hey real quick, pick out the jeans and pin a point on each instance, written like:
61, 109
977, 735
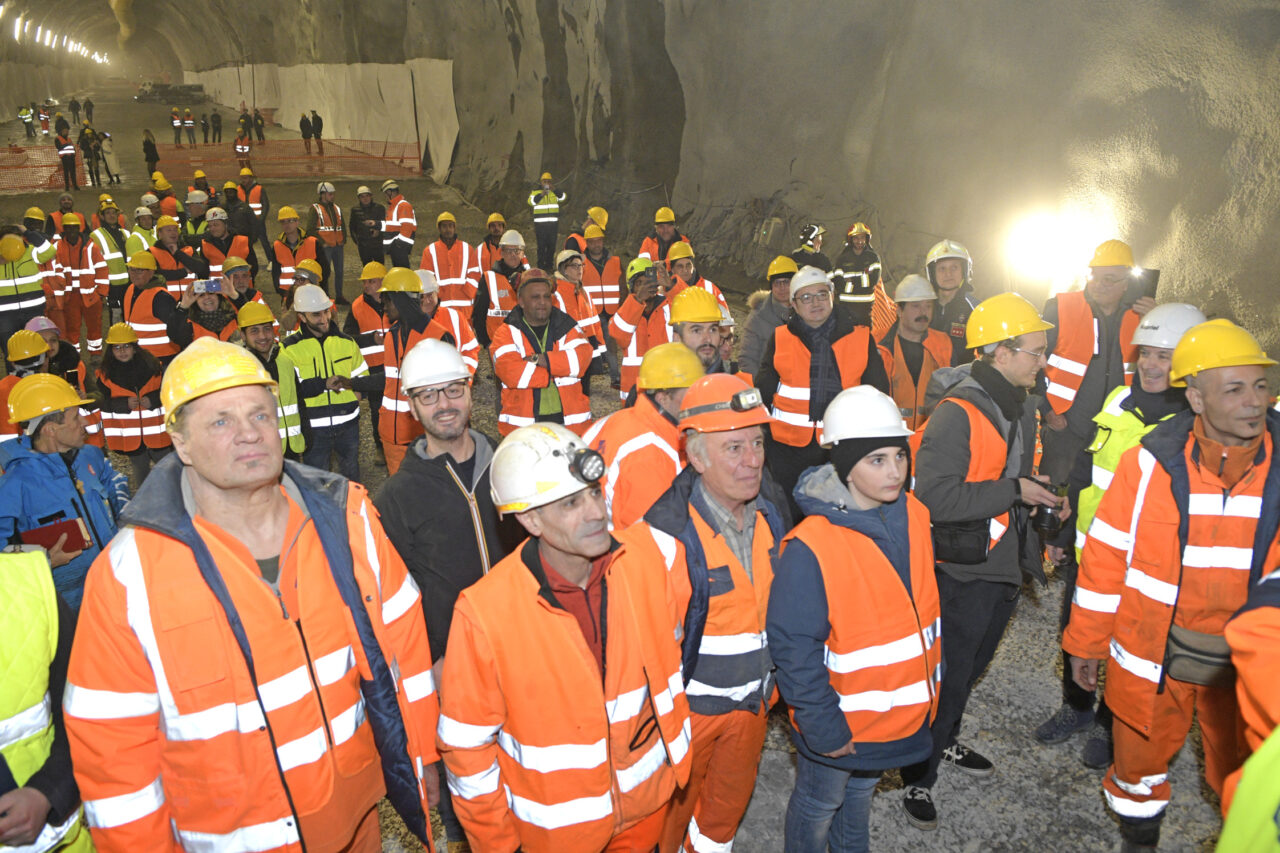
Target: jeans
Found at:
546, 233
829, 806
344, 440
334, 254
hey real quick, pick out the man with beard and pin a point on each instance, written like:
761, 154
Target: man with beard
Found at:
487, 248
497, 293
915, 349
695, 322
454, 262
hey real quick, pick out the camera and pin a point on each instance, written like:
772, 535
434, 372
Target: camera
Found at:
1048, 519
207, 285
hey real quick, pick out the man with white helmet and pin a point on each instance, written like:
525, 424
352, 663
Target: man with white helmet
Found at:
324, 219
496, 295
854, 620
218, 244
143, 235
1128, 414
950, 269
323, 362
916, 349
192, 223
564, 725
455, 544
455, 321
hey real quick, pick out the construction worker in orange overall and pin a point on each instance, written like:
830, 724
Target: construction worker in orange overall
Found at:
564, 726
1186, 527
242, 639
719, 538
456, 264
641, 444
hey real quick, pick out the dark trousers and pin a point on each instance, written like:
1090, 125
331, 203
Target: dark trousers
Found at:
375, 403
371, 252
546, 233
334, 253
974, 616
205, 131
399, 252
12, 321
260, 232
177, 136
787, 462
31, 129
69, 172
343, 440
217, 133
453, 830
1073, 694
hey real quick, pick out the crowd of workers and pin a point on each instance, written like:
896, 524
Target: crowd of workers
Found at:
569, 636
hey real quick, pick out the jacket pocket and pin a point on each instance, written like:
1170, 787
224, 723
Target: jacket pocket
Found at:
721, 580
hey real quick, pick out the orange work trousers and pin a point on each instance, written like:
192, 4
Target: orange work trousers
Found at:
726, 757
394, 454
641, 836
75, 307
1137, 784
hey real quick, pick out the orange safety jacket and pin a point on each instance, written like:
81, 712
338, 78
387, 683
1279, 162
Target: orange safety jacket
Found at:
241, 146
288, 258
489, 255
139, 312
908, 394
198, 331
370, 320
1253, 635
636, 334
791, 361
66, 148
545, 752
502, 298
253, 197
1077, 345
883, 652
457, 269
643, 453
215, 257
400, 224
396, 422
464, 336
329, 228
650, 249
130, 430
177, 277
576, 302
568, 355
207, 711
988, 456
1169, 545
603, 285
75, 265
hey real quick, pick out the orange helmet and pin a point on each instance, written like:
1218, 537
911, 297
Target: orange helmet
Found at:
720, 402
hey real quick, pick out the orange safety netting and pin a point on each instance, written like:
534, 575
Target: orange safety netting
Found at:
34, 168
288, 158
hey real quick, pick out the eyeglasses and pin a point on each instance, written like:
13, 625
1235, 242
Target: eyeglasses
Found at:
1037, 354
820, 297
431, 396
574, 264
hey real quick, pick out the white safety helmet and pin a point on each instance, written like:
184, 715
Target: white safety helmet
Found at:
1164, 325
150, 199
726, 319
215, 214
197, 197
432, 362
325, 187
430, 284
539, 464
142, 211
511, 237
861, 412
362, 190
309, 298
808, 276
914, 288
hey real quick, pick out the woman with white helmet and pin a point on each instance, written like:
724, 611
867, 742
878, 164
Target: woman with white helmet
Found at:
853, 624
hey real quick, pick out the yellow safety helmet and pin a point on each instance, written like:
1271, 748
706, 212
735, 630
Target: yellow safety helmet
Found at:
25, 344
1112, 253
106, 204
254, 313
33, 213
312, 266
12, 247
373, 269
446, 216
157, 175
781, 265
71, 219
246, 172
694, 305
234, 262
664, 214
198, 173
638, 266
1003, 316
42, 394
593, 232
165, 221
1215, 343
400, 280
231, 185
286, 212
858, 228
599, 216
670, 365
163, 184
206, 366
546, 176
495, 217
681, 249
143, 260
121, 333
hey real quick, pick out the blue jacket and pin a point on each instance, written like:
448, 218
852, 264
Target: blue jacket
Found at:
799, 625
39, 489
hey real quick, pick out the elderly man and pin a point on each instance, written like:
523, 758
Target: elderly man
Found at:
586, 760
143, 235
1186, 528
769, 309
915, 350
239, 577
497, 293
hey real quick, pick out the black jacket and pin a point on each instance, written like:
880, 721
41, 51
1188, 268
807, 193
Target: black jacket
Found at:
369, 238
454, 545
952, 318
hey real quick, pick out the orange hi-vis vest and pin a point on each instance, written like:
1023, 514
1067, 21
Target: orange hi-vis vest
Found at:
883, 652
126, 432
1169, 545
241, 145
288, 258
988, 456
1077, 345
545, 752
651, 249
253, 197
907, 394
176, 119
1252, 634
791, 360
225, 334
489, 255
502, 298
400, 224
329, 227
457, 270
370, 320
177, 277
642, 454
464, 336
139, 312
576, 302
396, 422
603, 285
567, 359
75, 265
207, 711
238, 248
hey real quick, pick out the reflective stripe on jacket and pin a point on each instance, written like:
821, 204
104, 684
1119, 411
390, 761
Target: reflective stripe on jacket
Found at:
568, 355
287, 258
400, 225
642, 454
791, 399
139, 311
396, 421
546, 205
457, 269
603, 285
335, 355
1077, 345
329, 226
129, 429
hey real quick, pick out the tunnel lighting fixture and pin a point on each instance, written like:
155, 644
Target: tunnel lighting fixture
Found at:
39, 32
17, 29
2, 5
1054, 247
48, 38
26, 28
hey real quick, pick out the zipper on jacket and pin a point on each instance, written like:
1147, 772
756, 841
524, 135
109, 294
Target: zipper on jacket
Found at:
315, 685
475, 519
84, 507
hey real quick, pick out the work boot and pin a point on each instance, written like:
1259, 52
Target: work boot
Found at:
918, 804
966, 760
1097, 749
1063, 724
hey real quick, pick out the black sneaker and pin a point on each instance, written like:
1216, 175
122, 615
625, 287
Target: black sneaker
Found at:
965, 759
1096, 754
918, 804
1063, 724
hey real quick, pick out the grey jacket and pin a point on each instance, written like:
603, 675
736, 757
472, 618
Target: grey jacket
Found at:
764, 319
942, 465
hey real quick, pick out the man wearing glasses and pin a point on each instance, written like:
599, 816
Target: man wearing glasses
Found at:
451, 464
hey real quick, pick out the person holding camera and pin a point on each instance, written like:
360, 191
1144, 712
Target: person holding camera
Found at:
973, 474
204, 311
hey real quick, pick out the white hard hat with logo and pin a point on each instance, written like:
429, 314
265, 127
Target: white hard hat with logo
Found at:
539, 464
1164, 325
